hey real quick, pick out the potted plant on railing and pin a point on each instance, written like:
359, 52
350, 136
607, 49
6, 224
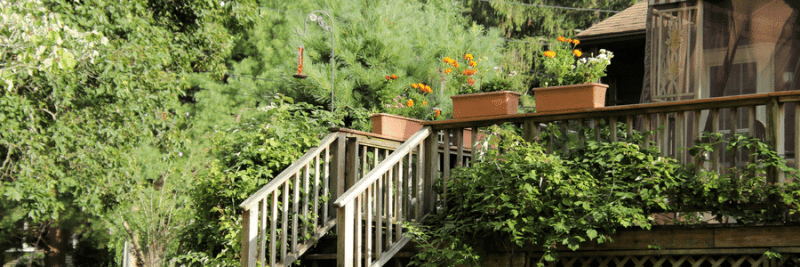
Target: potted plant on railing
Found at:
569, 79
476, 97
404, 114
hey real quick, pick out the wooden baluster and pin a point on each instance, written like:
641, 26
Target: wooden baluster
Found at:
398, 199
612, 124
364, 167
797, 135
697, 134
379, 217
734, 153
459, 136
715, 129
306, 190
646, 129
680, 135
370, 203
551, 142
409, 186
344, 230
358, 247
581, 132
285, 220
775, 136
351, 163
326, 184
528, 130
751, 125
249, 236
629, 126
316, 191
536, 131
389, 204
263, 232
446, 164
295, 210
473, 147
565, 132
596, 129
419, 180
665, 148
273, 232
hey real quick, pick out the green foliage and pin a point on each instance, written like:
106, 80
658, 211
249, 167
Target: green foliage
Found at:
247, 155
522, 195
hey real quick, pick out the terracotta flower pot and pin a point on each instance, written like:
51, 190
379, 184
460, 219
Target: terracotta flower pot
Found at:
570, 97
393, 126
485, 104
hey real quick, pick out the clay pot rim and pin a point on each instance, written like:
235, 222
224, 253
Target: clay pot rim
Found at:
568, 86
486, 93
394, 116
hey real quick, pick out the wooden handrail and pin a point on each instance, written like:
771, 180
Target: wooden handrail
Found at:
626, 110
288, 172
384, 166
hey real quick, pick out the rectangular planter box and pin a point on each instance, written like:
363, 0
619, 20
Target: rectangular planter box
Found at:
393, 126
570, 97
485, 104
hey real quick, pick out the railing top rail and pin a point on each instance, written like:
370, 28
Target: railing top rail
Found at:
288, 172
627, 110
383, 167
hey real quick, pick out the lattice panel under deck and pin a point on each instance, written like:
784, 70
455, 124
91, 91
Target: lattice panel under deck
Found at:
757, 260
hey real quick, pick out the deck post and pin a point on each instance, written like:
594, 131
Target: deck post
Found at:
351, 163
431, 164
249, 235
344, 231
337, 180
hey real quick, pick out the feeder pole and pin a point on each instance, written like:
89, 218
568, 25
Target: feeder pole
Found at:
313, 17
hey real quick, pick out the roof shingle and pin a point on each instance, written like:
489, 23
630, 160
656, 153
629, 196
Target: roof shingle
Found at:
629, 20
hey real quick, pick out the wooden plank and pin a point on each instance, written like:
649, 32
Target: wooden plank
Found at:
665, 148
364, 167
596, 125
696, 135
565, 131
734, 115
370, 203
773, 125
647, 128
751, 125
629, 126
398, 199
409, 187
306, 193
551, 142
680, 135
744, 237
527, 130
317, 182
249, 235
431, 162
326, 180
581, 132
418, 181
390, 204
379, 192
344, 244
797, 135
391, 252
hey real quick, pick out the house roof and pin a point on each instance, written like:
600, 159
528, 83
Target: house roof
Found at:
630, 20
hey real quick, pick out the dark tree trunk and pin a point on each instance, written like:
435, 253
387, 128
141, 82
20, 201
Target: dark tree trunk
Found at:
57, 247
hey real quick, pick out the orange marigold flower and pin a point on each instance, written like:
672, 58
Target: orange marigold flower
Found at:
561, 38
447, 59
473, 63
448, 71
387, 77
550, 54
410, 103
468, 56
577, 53
438, 113
568, 40
394, 76
424, 103
576, 42
428, 88
414, 85
471, 81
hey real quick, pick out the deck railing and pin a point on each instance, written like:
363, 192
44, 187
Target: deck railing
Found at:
296, 208
670, 126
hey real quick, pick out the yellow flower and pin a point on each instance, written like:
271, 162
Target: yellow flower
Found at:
468, 56
550, 54
568, 40
428, 88
414, 85
473, 63
447, 59
448, 71
561, 38
577, 53
424, 103
410, 103
576, 42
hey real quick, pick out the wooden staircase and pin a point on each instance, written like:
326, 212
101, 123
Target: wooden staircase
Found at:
359, 186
